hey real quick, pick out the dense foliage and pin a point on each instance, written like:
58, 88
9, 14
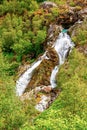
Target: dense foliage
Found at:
23, 31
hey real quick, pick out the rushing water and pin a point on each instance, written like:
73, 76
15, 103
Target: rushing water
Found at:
62, 46
24, 79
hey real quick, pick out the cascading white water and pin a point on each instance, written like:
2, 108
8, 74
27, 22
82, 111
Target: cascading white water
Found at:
62, 46
53, 77
24, 79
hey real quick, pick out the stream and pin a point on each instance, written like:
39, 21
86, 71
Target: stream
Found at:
63, 46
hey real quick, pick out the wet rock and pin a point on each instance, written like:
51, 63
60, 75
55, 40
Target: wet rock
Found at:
31, 94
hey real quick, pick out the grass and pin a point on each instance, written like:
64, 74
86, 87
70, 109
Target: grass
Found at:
69, 111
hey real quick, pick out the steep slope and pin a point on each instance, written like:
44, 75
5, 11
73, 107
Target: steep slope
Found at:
69, 111
25, 33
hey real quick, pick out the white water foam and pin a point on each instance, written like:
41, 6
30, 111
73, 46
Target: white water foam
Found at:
62, 46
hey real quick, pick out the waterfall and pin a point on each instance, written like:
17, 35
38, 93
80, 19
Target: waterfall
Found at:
62, 46
24, 79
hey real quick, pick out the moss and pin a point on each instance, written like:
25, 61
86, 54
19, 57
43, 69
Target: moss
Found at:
43, 72
79, 33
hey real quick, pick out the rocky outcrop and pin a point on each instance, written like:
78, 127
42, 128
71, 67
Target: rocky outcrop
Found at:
43, 96
43, 72
48, 4
67, 15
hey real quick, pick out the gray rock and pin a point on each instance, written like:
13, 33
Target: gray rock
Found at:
48, 4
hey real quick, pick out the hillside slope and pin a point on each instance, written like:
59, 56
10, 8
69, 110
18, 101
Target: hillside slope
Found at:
24, 34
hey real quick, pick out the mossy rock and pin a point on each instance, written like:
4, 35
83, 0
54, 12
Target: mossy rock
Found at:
42, 74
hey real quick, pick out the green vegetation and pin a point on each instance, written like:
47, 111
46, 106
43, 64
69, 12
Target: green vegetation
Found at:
69, 111
80, 34
13, 113
23, 31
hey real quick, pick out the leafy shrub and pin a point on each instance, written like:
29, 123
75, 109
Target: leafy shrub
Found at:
8, 41
14, 114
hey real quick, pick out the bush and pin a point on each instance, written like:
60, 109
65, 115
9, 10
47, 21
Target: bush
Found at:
8, 39
14, 114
